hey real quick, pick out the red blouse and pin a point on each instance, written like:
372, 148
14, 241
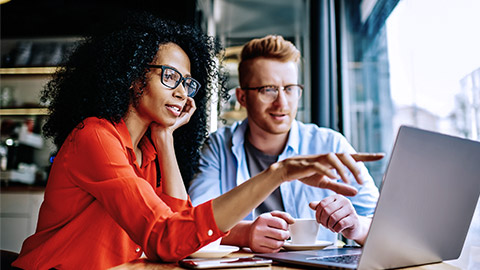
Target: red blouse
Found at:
101, 209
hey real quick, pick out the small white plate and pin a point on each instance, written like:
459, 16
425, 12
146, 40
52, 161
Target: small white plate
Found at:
222, 251
318, 245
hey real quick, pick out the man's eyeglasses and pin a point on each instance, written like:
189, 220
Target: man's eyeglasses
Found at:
269, 93
171, 78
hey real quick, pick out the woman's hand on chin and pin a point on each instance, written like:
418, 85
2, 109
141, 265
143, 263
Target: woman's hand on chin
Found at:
186, 113
182, 119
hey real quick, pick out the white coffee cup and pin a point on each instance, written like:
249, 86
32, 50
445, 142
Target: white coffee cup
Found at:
304, 231
215, 245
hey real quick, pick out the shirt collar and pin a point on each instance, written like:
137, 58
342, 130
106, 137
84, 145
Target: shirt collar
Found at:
148, 150
124, 134
293, 138
239, 132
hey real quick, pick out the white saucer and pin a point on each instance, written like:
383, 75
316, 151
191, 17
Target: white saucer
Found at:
222, 251
317, 245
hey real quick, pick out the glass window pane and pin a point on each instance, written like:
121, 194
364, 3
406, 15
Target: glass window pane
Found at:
419, 66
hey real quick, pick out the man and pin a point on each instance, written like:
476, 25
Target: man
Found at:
269, 90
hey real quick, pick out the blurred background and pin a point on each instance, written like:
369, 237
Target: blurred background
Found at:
368, 66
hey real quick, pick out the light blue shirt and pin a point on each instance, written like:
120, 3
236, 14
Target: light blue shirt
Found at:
223, 166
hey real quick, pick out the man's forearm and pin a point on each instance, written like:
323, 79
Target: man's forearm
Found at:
239, 235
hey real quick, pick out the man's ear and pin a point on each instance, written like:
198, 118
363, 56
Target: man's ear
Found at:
241, 96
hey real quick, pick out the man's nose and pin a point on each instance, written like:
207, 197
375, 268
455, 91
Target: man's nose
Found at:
281, 98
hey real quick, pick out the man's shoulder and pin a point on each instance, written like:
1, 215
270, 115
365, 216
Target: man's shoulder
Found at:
315, 130
320, 139
225, 132
222, 132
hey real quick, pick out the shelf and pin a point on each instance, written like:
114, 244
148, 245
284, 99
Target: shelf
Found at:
235, 115
24, 111
233, 51
28, 71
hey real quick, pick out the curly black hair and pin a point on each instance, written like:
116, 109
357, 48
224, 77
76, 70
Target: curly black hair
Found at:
96, 80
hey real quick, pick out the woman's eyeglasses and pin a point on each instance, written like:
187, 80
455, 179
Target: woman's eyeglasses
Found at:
171, 78
269, 93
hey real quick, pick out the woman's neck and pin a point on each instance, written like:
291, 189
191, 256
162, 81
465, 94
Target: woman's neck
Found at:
136, 128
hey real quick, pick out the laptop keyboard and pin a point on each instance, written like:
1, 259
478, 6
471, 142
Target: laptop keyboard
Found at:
345, 259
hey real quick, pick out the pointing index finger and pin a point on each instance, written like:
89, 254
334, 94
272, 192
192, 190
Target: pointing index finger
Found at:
365, 157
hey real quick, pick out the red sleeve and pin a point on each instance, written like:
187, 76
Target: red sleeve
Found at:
174, 203
167, 228
182, 234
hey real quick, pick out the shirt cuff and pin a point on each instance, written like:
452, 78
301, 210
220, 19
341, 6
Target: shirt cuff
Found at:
176, 204
207, 229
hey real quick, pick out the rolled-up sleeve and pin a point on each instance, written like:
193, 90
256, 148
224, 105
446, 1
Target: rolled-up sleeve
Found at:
166, 228
183, 233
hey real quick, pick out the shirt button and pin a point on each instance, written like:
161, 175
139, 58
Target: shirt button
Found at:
210, 232
137, 249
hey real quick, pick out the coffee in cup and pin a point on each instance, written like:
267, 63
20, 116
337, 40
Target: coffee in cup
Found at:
304, 231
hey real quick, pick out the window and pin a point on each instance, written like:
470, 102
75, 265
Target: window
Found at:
413, 62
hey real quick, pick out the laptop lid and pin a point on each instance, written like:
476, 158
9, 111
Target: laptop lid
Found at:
427, 200
428, 197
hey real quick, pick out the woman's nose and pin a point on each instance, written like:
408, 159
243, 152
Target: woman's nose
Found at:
180, 92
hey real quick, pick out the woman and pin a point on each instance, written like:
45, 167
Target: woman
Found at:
115, 189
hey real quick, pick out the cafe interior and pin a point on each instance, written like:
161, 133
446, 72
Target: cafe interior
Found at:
367, 67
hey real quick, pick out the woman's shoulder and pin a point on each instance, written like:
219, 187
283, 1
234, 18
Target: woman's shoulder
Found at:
93, 127
95, 123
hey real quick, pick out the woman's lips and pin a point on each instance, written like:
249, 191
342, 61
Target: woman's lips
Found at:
174, 109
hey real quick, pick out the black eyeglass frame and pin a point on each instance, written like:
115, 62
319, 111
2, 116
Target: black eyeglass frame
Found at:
182, 80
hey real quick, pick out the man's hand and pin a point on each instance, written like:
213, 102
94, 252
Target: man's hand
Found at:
269, 231
323, 170
337, 214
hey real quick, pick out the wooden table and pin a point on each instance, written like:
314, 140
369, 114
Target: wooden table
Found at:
147, 265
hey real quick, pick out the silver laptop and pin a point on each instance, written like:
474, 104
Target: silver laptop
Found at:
427, 200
